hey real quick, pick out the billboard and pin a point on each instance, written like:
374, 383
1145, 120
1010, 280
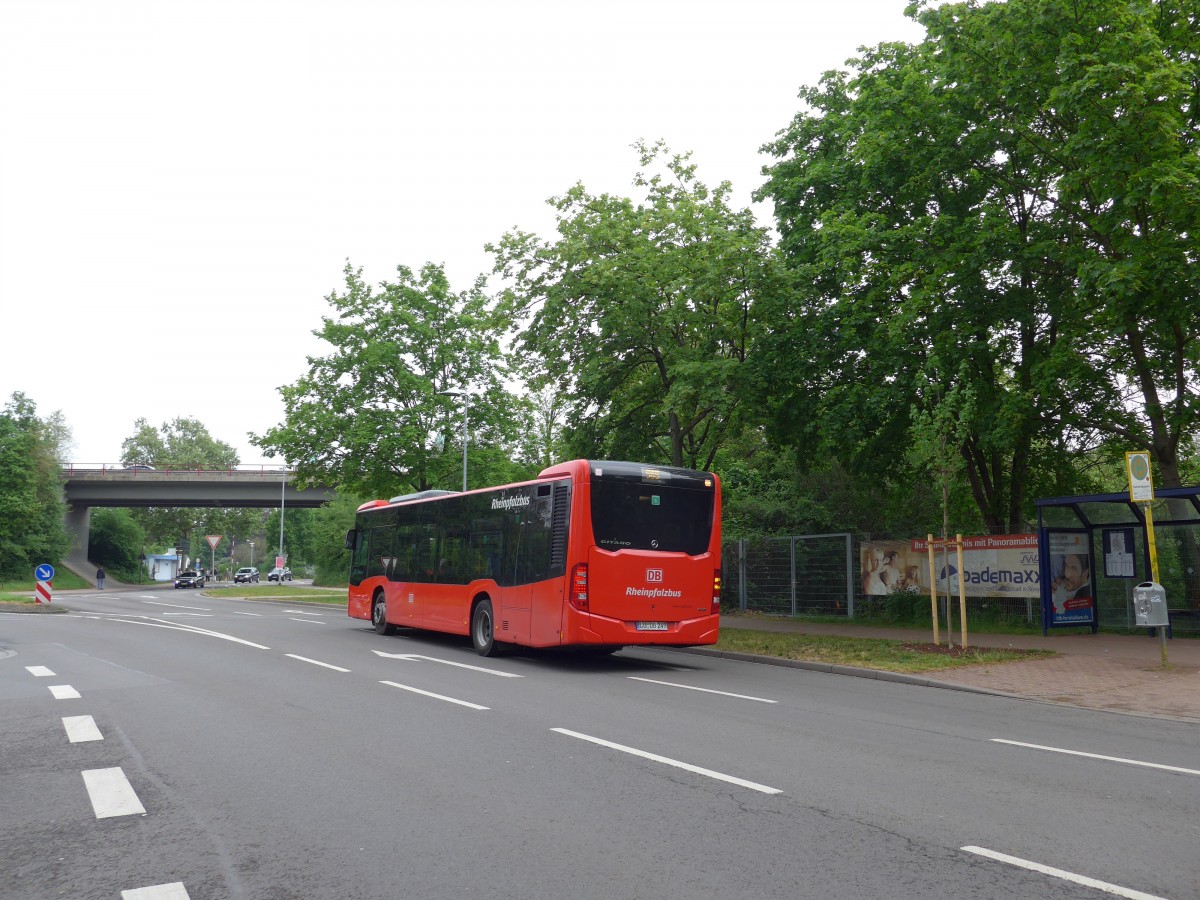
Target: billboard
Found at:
1072, 597
1003, 565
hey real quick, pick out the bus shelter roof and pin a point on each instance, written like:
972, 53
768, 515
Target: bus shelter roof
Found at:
1172, 506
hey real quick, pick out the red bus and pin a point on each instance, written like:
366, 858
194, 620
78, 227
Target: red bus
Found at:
606, 554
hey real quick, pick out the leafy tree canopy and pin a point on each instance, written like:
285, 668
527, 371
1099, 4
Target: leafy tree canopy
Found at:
641, 314
1005, 212
373, 417
31, 504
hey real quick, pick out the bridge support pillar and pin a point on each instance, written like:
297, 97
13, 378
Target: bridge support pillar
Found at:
78, 522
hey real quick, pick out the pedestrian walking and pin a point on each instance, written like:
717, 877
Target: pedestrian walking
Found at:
100, 578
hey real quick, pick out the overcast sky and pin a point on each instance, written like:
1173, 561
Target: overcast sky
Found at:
182, 183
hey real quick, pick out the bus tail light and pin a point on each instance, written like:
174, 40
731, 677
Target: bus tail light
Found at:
716, 598
579, 587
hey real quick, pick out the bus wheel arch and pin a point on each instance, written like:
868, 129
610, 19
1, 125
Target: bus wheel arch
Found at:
379, 614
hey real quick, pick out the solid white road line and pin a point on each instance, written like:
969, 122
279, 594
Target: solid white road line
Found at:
193, 629
256, 615
64, 692
303, 612
111, 793
405, 687
709, 773
38, 671
316, 662
1063, 874
306, 621
1116, 759
81, 728
177, 606
173, 891
705, 690
191, 615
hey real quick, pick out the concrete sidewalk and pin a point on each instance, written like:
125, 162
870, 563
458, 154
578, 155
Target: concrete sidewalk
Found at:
1121, 673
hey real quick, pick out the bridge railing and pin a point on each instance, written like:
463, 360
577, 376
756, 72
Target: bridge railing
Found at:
262, 470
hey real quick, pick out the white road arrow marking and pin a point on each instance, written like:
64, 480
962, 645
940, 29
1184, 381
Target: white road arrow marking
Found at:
411, 657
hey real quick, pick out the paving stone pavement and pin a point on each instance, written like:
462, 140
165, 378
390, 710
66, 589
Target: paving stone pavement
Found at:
1121, 673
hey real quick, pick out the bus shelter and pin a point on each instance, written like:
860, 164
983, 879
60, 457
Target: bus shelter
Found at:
1093, 550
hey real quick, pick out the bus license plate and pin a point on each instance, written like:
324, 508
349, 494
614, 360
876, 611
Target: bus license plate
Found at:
651, 626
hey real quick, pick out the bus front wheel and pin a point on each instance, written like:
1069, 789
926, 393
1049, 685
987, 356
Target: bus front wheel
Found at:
379, 616
483, 634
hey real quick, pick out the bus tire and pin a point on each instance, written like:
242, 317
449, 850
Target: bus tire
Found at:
379, 616
483, 629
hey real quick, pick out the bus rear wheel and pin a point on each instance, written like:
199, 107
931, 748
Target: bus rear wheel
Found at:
379, 616
483, 632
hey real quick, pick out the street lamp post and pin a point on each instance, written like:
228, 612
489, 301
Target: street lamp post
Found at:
466, 406
282, 488
251, 543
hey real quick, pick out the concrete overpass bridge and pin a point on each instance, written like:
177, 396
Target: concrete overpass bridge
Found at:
242, 486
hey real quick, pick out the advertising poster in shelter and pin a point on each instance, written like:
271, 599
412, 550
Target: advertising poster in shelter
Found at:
1072, 597
1004, 565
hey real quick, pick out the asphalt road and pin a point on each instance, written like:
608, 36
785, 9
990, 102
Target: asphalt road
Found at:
242, 749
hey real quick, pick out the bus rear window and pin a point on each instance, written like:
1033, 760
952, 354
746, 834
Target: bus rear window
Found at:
639, 516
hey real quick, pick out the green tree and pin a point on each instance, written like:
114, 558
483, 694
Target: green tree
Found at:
1104, 98
367, 415
329, 527
31, 504
117, 542
640, 314
925, 201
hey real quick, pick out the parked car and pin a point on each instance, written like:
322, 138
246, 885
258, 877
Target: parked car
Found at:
245, 574
280, 575
189, 578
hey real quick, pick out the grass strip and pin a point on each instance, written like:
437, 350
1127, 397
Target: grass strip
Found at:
279, 592
867, 653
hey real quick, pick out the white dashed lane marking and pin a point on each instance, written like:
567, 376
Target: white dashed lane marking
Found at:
38, 671
317, 662
705, 690
1107, 887
173, 891
64, 692
81, 728
111, 793
666, 760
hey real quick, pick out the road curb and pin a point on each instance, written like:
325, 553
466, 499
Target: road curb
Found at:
852, 671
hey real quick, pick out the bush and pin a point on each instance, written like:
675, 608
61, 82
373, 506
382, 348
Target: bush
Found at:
906, 608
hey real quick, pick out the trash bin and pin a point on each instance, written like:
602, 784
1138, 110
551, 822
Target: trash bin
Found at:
1150, 605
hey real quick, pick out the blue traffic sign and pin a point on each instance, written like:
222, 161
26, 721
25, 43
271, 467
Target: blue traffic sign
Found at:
44, 572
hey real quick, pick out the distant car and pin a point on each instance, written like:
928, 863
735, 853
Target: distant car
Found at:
280, 575
139, 467
189, 578
245, 574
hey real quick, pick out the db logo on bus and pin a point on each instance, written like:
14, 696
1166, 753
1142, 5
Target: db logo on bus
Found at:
654, 576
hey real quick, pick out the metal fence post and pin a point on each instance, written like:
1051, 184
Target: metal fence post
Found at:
741, 544
849, 576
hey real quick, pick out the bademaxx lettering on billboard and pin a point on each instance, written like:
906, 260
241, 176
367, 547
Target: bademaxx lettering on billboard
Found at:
1004, 565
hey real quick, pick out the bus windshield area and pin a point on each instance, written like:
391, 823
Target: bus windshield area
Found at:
628, 514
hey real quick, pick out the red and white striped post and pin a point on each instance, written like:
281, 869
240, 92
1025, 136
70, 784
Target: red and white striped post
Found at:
42, 593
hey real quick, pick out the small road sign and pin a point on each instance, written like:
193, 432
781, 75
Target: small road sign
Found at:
44, 572
213, 540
